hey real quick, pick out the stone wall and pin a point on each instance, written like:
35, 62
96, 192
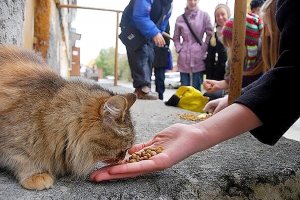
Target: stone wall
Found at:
51, 30
11, 21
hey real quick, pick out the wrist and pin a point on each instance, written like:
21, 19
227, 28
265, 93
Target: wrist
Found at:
201, 139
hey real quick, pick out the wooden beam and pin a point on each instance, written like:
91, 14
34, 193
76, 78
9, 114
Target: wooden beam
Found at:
237, 50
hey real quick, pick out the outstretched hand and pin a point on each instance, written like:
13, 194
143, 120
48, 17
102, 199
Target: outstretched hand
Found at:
178, 144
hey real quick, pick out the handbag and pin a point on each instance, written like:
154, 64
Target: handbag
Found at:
188, 98
161, 57
190, 28
132, 38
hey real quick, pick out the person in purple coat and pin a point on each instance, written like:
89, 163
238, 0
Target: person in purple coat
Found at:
261, 109
191, 54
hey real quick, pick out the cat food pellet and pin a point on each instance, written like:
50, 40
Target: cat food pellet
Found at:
145, 154
194, 117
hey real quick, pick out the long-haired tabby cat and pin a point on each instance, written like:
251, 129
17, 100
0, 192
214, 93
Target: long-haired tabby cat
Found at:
50, 126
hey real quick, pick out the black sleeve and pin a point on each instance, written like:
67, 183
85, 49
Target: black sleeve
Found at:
273, 98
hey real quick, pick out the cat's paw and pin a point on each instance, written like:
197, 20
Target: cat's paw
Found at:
38, 182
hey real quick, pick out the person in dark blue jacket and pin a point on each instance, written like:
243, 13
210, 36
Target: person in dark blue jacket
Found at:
150, 17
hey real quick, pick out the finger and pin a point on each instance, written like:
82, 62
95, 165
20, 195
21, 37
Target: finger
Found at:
105, 176
125, 170
218, 109
139, 147
161, 41
96, 172
210, 107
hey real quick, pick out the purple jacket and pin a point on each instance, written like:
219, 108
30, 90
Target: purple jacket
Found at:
191, 54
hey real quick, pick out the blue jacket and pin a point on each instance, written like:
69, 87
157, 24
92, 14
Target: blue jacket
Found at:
141, 17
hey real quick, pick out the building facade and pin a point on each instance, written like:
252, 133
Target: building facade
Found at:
42, 26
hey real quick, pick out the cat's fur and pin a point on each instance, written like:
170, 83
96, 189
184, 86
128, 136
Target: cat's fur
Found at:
50, 126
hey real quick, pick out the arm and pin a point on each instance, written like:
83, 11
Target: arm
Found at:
257, 109
165, 22
142, 20
266, 97
181, 141
176, 36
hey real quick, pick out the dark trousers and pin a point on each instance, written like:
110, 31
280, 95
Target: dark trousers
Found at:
197, 79
159, 73
140, 63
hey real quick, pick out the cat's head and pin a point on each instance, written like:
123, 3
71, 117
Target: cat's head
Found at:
108, 133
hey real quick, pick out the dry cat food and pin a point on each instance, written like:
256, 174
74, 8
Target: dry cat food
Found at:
145, 154
195, 117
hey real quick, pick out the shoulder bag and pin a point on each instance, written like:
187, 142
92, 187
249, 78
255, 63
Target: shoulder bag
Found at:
132, 38
190, 28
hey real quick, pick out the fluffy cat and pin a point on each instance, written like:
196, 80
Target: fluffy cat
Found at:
50, 126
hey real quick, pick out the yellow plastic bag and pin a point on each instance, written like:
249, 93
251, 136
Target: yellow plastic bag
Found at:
191, 99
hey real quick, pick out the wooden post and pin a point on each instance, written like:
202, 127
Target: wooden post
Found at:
116, 51
238, 50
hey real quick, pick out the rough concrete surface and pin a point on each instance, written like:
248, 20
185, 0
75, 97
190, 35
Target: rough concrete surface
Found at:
241, 168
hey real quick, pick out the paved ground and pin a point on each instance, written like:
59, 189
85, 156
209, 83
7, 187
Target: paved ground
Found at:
241, 168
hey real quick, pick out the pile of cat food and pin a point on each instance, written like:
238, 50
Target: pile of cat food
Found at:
195, 117
145, 154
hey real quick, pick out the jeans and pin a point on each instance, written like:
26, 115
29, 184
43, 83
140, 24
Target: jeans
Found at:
159, 73
140, 63
197, 79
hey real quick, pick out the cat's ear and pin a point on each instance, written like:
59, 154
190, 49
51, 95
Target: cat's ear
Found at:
131, 98
117, 105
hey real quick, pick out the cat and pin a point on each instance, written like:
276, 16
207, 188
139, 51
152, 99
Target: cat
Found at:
51, 126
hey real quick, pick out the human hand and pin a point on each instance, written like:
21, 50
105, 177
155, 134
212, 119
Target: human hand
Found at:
216, 105
159, 40
179, 142
213, 86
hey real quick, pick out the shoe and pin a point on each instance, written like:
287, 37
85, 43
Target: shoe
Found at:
145, 95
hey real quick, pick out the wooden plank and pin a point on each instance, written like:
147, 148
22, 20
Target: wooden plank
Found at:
238, 50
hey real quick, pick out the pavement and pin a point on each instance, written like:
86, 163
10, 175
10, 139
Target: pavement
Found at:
240, 168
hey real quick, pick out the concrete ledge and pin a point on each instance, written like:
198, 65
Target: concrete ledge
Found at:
241, 168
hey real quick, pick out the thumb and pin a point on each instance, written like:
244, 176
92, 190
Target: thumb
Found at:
139, 147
